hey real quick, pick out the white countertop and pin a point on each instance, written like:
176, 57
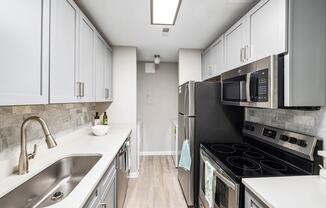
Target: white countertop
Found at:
289, 192
81, 142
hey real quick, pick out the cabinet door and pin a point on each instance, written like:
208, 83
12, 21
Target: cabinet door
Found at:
109, 196
99, 69
234, 44
63, 70
204, 65
24, 52
217, 57
267, 29
86, 60
108, 75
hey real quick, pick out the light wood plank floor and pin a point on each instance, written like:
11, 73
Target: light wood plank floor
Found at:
157, 185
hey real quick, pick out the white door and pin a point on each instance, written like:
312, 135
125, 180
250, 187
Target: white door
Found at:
86, 60
267, 29
99, 69
108, 96
63, 70
23, 72
234, 45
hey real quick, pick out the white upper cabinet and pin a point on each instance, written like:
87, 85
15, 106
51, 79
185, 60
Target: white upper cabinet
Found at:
267, 29
217, 56
213, 59
108, 73
99, 69
86, 78
235, 39
24, 52
63, 56
260, 33
205, 65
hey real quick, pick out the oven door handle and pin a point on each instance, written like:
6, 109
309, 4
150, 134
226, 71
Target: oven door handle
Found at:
227, 182
248, 96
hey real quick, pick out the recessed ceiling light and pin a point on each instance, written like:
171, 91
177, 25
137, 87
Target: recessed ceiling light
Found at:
164, 12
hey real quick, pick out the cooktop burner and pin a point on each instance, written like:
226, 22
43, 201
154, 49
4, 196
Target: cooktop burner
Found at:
252, 154
221, 148
273, 165
244, 160
241, 146
243, 163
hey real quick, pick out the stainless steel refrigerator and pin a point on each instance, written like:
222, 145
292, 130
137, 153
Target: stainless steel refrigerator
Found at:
203, 118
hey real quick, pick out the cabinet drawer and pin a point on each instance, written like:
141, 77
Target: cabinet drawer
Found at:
107, 178
94, 199
252, 201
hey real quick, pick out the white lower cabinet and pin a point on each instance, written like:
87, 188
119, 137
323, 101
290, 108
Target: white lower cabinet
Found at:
252, 201
104, 195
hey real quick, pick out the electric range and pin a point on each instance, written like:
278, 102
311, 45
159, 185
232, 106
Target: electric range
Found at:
265, 152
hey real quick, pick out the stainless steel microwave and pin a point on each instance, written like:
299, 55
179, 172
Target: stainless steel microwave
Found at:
258, 84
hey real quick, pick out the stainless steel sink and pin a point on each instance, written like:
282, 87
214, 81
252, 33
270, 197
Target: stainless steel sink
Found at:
51, 185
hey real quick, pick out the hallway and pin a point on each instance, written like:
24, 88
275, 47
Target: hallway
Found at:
157, 185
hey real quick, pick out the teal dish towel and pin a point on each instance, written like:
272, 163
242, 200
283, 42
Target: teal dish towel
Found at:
185, 158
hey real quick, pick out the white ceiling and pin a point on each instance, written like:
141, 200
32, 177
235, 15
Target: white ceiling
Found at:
127, 23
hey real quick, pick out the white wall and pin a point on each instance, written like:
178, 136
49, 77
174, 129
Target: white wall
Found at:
157, 104
189, 65
123, 110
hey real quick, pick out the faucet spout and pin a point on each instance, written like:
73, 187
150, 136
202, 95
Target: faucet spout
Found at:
50, 141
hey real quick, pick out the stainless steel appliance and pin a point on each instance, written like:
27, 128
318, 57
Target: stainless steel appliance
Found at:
203, 118
123, 169
259, 84
265, 152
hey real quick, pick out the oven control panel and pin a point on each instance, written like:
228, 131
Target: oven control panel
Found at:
269, 133
293, 142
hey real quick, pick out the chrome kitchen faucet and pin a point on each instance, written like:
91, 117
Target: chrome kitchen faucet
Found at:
24, 157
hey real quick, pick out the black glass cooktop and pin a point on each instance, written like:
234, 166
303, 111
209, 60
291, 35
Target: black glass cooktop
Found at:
243, 161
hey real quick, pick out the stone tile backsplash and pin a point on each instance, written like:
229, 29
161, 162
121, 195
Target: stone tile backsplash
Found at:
61, 118
303, 121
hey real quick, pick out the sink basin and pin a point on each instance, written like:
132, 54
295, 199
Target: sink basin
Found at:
51, 185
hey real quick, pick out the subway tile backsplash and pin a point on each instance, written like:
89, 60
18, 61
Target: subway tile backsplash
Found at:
303, 121
61, 118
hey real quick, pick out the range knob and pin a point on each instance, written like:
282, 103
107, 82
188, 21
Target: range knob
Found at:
293, 140
284, 138
302, 143
249, 127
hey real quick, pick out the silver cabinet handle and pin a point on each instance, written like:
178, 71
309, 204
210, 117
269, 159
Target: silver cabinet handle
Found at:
102, 205
246, 53
82, 93
106, 93
78, 89
241, 54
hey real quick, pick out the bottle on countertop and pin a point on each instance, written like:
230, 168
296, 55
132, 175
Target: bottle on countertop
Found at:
97, 120
105, 119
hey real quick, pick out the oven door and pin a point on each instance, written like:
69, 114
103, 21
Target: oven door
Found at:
226, 193
206, 192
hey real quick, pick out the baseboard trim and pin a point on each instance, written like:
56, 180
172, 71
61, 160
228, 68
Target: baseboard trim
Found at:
156, 153
133, 175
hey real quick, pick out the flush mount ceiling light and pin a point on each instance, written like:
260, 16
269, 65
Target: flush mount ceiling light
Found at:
164, 12
157, 59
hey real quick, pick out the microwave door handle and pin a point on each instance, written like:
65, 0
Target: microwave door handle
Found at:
248, 96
